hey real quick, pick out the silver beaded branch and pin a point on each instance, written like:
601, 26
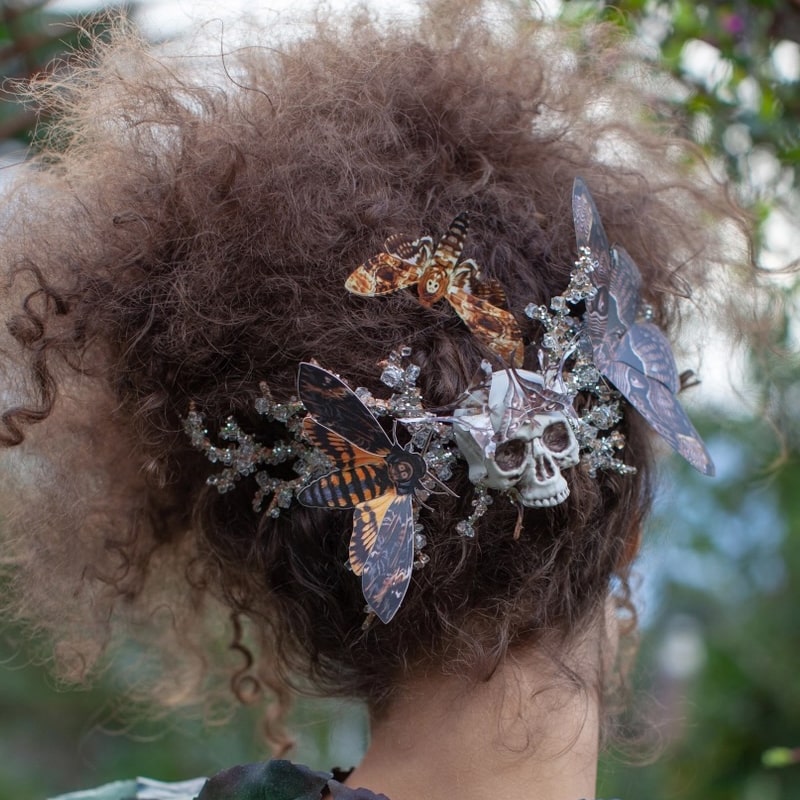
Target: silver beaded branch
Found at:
245, 455
566, 341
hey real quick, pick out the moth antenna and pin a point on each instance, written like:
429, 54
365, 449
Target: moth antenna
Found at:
368, 620
518, 524
438, 482
688, 379
427, 442
422, 502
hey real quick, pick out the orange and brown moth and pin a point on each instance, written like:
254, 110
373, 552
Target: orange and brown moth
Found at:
439, 275
373, 475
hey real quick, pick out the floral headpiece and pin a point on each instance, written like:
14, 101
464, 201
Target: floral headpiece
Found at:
518, 430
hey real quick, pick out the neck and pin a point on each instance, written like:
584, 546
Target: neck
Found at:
525, 734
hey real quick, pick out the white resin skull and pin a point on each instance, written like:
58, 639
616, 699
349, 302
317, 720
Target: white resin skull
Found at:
511, 446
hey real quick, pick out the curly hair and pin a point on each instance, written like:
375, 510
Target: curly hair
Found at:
186, 235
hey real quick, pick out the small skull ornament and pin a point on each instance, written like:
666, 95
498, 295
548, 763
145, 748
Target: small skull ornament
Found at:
511, 444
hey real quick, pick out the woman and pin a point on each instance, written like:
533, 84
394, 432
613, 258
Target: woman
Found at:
349, 347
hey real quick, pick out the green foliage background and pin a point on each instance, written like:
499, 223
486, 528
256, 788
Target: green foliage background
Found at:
721, 648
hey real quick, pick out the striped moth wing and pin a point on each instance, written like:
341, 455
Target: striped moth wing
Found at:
374, 476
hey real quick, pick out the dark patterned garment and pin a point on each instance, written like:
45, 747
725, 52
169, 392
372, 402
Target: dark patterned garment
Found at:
279, 780
268, 780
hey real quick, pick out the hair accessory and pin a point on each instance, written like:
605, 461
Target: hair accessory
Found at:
518, 430
374, 475
246, 455
514, 440
345, 460
632, 352
439, 275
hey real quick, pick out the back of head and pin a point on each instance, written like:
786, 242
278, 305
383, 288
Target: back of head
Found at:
188, 235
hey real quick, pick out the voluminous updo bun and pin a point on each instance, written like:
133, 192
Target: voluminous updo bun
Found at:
188, 234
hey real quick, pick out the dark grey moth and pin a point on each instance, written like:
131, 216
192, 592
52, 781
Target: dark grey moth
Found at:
632, 353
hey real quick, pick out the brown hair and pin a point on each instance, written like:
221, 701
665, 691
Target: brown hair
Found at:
181, 240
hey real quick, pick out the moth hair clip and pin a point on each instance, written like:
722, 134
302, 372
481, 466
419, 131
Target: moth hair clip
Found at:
374, 475
439, 274
628, 349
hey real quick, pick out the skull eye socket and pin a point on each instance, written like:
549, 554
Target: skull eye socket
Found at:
510, 455
556, 437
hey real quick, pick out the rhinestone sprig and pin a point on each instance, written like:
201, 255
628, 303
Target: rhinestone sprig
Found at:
245, 455
567, 365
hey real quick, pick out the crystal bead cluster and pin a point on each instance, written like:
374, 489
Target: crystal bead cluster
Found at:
567, 366
245, 455
481, 500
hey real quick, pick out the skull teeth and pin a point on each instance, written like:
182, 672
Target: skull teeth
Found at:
549, 502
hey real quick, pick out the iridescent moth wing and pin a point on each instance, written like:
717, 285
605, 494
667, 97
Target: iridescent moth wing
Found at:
644, 371
639, 344
634, 355
589, 230
591, 236
374, 476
